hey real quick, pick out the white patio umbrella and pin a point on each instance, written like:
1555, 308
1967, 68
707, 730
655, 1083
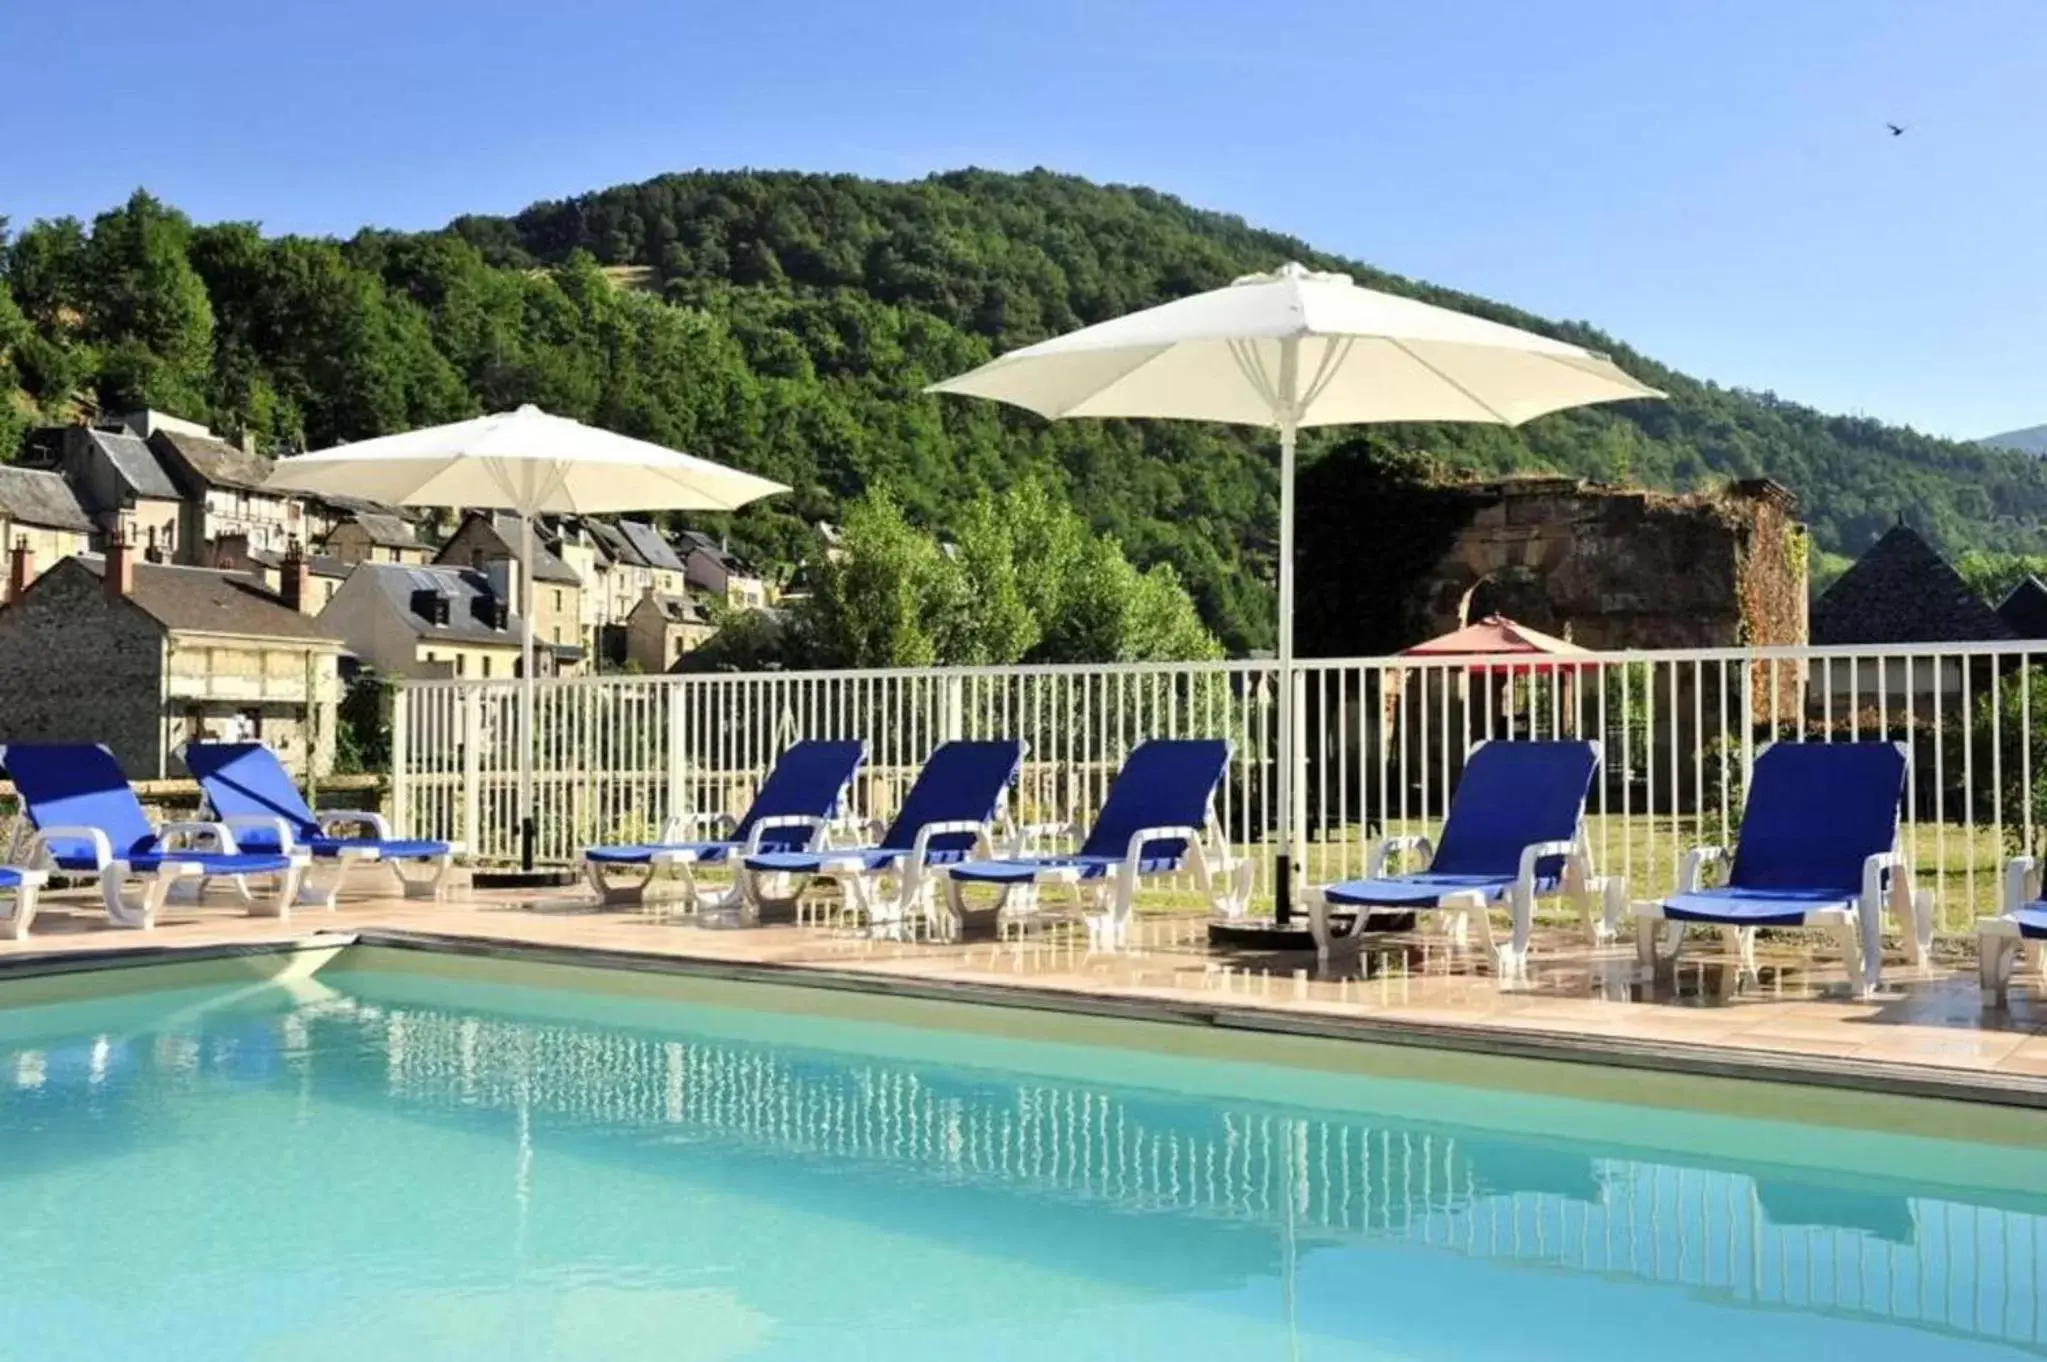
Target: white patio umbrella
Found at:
531, 464
1291, 349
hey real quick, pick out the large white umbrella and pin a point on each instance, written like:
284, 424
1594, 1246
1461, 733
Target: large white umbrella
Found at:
531, 464
1291, 349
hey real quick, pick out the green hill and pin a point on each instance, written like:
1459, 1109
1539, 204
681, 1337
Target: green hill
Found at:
785, 323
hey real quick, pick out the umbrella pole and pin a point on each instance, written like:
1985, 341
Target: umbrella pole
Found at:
528, 830
1289, 792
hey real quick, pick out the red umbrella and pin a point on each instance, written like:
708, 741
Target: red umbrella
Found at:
1498, 636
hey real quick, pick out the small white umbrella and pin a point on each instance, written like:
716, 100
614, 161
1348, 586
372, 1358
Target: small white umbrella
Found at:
1290, 349
531, 464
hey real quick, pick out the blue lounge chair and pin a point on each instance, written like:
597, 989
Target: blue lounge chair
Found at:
248, 789
796, 803
948, 815
87, 821
20, 887
1818, 847
2020, 930
1515, 831
1158, 819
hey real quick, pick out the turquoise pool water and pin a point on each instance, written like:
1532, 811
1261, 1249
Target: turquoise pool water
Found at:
376, 1165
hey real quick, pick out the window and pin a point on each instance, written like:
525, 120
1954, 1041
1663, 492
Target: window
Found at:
461, 664
557, 609
486, 667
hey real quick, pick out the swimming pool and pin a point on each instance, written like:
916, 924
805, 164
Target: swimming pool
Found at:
396, 1157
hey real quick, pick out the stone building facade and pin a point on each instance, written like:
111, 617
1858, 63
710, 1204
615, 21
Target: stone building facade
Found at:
144, 656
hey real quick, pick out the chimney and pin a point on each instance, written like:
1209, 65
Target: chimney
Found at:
120, 576
295, 582
21, 568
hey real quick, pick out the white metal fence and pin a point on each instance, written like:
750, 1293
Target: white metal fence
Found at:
1384, 740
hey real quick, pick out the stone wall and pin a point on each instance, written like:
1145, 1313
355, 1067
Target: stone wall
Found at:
1619, 568
77, 667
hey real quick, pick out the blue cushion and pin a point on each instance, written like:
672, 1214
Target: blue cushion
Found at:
1164, 783
78, 785
1511, 796
1023, 869
10, 878
806, 782
1816, 812
1754, 907
960, 782
1425, 890
212, 863
394, 849
811, 862
245, 779
2033, 922
643, 853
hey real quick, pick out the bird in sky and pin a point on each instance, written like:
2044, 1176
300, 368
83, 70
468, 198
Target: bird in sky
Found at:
1897, 129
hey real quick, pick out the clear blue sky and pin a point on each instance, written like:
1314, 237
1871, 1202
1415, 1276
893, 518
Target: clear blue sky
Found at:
1710, 180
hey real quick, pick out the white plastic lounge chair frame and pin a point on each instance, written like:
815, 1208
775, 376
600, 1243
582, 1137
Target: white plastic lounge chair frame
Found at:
1105, 903
23, 890
1459, 912
2000, 946
681, 861
1857, 928
134, 898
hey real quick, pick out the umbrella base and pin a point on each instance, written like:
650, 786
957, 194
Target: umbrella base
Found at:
1263, 935
525, 879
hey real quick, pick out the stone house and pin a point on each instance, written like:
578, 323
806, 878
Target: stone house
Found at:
40, 514
145, 656
223, 488
709, 567
665, 570
661, 629
427, 622
376, 537
623, 576
490, 544
123, 486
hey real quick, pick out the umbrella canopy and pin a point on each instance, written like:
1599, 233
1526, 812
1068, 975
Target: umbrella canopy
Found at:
1359, 356
533, 464
1498, 636
1290, 349
524, 461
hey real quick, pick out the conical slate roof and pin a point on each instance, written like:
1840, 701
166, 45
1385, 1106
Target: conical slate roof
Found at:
1901, 591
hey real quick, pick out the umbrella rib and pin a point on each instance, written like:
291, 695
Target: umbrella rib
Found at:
1333, 357
1245, 356
1473, 397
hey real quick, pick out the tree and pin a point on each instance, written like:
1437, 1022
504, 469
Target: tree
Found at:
148, 307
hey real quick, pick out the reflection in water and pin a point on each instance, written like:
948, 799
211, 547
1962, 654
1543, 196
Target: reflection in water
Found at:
1748, 1236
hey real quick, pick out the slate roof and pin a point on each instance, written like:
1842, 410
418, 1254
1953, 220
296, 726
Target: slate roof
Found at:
681, 610
388, 531
202, 600
33, 496
468, 593
136, 463
652, 546
214, 463
505, 530
694, 541
322, 564
1901, 591
613, 544
2024, 609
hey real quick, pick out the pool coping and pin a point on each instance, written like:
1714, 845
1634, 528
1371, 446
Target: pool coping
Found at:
1885, 1077
1671, 1057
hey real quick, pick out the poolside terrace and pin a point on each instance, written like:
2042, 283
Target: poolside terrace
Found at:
1925, 1032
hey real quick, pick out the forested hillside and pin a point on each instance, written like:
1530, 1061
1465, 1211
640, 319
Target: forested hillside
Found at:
785, 323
